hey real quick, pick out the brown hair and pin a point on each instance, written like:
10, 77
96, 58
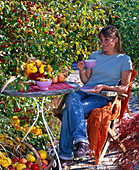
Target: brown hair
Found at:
112, 31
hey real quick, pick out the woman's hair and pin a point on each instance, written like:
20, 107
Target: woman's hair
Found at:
112, 31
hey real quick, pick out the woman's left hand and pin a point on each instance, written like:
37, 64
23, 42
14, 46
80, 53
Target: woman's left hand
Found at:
97, 88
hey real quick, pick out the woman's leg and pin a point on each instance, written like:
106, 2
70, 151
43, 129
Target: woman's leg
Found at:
87, 104
78, 104
70, 119
92, 102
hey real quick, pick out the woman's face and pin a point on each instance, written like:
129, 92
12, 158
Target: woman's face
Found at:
108, 44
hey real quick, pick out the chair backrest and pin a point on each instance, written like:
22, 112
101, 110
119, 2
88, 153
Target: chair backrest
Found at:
100, 118
124, 103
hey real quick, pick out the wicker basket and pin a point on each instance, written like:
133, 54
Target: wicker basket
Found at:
49, 158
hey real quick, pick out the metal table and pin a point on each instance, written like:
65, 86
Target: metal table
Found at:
43, 94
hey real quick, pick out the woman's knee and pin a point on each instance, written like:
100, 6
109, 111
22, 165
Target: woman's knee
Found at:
77, 95
71, 96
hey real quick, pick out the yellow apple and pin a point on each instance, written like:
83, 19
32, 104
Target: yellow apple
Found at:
20, 166
43, 154
30, 157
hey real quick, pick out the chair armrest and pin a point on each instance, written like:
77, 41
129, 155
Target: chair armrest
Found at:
113, 94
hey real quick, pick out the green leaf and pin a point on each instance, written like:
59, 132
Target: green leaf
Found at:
10, 87
26, 88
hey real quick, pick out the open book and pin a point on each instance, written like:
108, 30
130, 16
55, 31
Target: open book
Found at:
86, 88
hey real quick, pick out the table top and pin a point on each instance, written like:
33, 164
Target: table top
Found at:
15, 93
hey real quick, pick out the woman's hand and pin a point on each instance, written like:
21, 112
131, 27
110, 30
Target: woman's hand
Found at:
81, 65
122, 88
84, 75
97, 88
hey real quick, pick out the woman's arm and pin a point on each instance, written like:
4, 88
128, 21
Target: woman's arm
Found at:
122, 88
84, 76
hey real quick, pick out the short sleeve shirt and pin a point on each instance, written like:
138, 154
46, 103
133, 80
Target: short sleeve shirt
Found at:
108, 68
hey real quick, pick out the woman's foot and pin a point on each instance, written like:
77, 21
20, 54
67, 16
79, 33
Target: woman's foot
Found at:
81, 149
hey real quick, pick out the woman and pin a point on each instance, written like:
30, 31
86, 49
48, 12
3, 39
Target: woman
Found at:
111, 67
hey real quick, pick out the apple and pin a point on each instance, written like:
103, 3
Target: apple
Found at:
54, 80
26, 169
15, 159
45, 161
50, 32
44, 165
3, 46
61, 78
29, 164
35, 166
2, 60
22, 118
11, 167
20, 166
30, 157
43, 154
23, 160
79, 21
15, 164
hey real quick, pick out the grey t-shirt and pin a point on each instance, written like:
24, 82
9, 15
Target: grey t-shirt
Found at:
108, 68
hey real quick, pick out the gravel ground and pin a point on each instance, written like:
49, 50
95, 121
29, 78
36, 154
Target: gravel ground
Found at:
108, 160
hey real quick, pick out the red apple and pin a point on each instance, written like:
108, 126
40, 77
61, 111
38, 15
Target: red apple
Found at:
79, 21
2, 60
35, 166
50, 32
44, 165
26, 169
29, 164
61, 78
11, 167
54, 80
23, 160
15, 159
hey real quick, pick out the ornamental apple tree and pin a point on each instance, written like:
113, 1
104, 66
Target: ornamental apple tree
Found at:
56, 32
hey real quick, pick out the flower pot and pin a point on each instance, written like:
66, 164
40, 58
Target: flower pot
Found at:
34, 76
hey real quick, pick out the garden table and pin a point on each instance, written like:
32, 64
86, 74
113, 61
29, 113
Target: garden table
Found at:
34, 92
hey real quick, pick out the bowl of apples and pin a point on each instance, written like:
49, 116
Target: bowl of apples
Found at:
43, 84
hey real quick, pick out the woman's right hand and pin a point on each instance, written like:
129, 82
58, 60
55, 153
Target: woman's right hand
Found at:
81, 65
84, 75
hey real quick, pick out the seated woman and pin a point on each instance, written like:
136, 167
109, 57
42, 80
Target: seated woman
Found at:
111, 67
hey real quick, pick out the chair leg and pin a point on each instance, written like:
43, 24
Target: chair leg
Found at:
114, 137
58, 111
112, 125
62, 102
104, 149
111, 135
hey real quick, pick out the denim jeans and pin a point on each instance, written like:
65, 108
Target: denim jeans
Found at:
73, 129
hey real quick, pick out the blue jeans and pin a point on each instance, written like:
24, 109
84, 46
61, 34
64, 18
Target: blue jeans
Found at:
73, 129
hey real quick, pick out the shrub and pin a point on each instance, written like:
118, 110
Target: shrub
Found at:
128, 134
